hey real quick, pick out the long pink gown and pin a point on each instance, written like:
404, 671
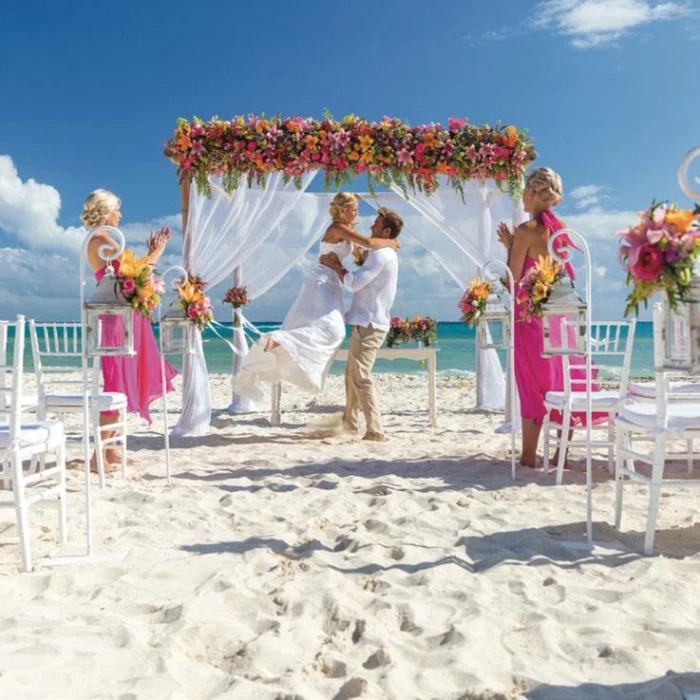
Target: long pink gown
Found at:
138, 376
536, 375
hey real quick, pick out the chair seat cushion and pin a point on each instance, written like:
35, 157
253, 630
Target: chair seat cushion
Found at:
36, 433
601, 400
648, 391
681, 416
106, 400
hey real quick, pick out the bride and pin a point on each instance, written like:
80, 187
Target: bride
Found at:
302, 350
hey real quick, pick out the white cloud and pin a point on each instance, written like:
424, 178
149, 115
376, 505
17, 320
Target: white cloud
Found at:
29, 212
588, 196
600, 23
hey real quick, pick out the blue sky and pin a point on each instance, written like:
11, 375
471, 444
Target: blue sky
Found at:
90, 93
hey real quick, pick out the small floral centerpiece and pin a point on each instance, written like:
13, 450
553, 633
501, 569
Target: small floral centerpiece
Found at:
237, 297
399, 332
196, 305
536, 286
659, 254
423, 329
473, 301
139, 283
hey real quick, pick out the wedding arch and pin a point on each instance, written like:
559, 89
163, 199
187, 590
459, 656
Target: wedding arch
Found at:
249, 214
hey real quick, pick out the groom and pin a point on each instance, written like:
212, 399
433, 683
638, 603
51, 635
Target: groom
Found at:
374, 288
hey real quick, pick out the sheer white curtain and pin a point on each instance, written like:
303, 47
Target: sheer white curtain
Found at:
461, 234
223, 232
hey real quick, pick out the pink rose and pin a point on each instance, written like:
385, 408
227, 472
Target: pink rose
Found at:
649, 265
128, 286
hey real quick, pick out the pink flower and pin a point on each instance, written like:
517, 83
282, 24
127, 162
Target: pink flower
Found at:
649, 264
128, 286
455, 124
404, 157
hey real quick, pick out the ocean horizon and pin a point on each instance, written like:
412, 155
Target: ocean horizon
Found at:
456, 345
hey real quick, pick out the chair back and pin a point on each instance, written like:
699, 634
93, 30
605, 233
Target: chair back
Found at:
56, 350
11, 378
664, 395
611, 358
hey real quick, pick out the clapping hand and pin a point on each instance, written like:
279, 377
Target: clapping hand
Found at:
157, 241
505, 236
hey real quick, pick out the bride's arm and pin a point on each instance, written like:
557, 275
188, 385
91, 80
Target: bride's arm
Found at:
347, 233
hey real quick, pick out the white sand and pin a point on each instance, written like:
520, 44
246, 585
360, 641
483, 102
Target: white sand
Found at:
283, 567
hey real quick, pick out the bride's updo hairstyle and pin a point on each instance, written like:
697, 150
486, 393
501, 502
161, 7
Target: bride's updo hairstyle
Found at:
337, 207
98, 206
546, 184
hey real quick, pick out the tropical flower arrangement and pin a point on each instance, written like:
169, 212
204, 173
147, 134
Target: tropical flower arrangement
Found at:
404, 330
389, 151
423, 329
139, 283
399, 332
237, 297
659, 254
196, 306
473, 301
535, 287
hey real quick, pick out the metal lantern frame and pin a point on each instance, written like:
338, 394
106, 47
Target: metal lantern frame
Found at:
494, 324
576, 237
564, 301
490, 272
168, 326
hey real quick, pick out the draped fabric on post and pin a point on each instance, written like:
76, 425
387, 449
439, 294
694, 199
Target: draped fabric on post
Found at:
462, 237
241, 229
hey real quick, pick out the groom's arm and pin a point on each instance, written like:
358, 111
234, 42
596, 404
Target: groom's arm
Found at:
362, 276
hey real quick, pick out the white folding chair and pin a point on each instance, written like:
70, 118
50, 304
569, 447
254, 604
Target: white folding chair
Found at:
673, 416
57, 349
20, 441
611, 357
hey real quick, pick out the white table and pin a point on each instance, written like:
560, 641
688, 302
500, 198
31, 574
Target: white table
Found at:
428, 355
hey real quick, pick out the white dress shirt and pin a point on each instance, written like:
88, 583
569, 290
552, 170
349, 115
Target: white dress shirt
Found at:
373, 285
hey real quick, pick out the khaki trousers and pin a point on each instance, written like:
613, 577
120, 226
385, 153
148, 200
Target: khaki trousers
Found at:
359, 389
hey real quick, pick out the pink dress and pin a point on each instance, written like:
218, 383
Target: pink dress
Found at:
536, 375
137, 376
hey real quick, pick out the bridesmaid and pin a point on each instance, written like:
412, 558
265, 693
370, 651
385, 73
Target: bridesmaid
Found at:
534, 375
137, 376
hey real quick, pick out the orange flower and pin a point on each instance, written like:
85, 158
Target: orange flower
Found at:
365, 142
429, 139
311, 142
183, 140
511, 136
682, 219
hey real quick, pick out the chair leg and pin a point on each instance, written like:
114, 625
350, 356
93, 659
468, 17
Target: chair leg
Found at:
563, 445
62, 520
99, 453
619, 475
22, 511
545, 448
122, 420
611, 443
657, 473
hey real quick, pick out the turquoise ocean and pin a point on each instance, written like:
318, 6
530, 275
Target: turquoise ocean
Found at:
456, 356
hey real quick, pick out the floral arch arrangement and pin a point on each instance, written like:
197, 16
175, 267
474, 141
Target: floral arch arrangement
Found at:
389, 152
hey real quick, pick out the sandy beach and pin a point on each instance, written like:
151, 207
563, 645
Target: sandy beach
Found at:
281, 566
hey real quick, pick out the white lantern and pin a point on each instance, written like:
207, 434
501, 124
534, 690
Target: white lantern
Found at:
108, 321
177, 331
564, 321
494, 325
682, 331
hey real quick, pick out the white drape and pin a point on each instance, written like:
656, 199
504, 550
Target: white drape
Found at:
461, 234
226, 231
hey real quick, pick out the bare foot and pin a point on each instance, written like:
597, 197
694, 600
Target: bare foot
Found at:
270, 344
555, 460
108, 467
113, 457
530, 462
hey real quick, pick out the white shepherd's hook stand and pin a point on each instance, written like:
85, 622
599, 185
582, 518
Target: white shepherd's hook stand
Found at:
490, 274
689, 157
108, 253
183, 277
581, 241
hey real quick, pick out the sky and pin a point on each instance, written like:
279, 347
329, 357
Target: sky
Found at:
90, 92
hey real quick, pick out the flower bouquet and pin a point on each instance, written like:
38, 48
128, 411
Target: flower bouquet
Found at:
196, 305
659, 254
139, 283
399, 332
473, 301
535, 287
423, 329
237, 297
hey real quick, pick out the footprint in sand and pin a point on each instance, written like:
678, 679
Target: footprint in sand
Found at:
406, 623
378, 659
352, 689
359, 631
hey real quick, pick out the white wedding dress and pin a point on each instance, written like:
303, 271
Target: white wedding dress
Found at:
311, 333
